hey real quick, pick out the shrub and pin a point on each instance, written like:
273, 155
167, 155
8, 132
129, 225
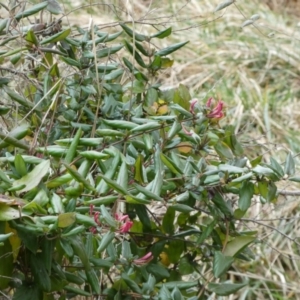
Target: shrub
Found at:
111, 186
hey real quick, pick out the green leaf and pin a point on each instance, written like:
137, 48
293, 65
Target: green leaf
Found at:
221, 263
31, 11
122, 179
32, 179
107, 217
138, 169
78, 177
223, 150
137, 36
185, 266
54, 7
182, 285
75, 231
143, 216
112, 75
276, 167
295, 179
3, 24
182, 208
105, 52
176, 295
207, 232
131, 283
56, 37
102, 187
20, 165
106, 240
18, 98
80, 251
245, 195
148, 193
231, 169
225, 289
77, 291
163, 33
114, 185
93, 280
289, 168
170, 49
133, 51
31, 38
146, 126
170, 164
66, 219
41, 276
120, 124
164, 294
156, 63
238, 244
263, 171
221, 204
73, 147
28, 292
168, 221
90, 142
136, 200
71, 62
71, 277
109, 132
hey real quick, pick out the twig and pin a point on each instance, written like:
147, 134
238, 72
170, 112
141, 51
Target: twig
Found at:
288, 193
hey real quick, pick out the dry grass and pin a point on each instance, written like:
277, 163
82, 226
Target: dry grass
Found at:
255, 70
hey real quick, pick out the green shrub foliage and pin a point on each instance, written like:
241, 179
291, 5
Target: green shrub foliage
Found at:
111, 186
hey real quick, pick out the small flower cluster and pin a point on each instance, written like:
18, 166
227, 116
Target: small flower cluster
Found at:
143, 260
214, 112
123, 220
217, 111
125, 223
96, 215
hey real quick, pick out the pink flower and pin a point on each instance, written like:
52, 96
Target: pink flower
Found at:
121, 217
95, 215
217, 111
209, 101
185, 131
143, 260
126, 224
193, 103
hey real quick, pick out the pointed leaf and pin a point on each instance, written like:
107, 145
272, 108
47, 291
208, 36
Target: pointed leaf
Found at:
163, 33
245, 195
221, 263
32, 179
31, 11
170, 49
54, 7
137, 36
225, 289
66, 219
56, 37
170, 164
106, 240
289, 168
235, 246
